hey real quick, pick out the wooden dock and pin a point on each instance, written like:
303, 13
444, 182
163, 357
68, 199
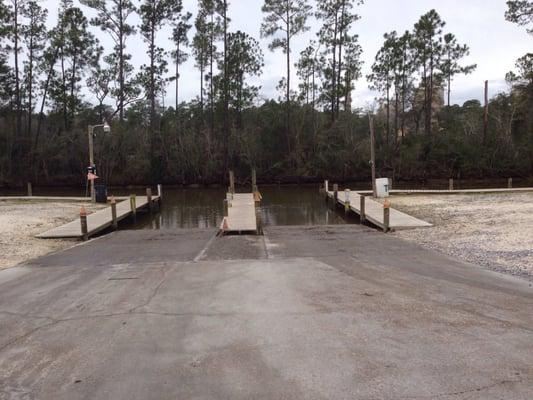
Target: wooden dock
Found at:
241, 214
374, 212
97, 221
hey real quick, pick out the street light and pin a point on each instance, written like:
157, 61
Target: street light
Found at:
107, 129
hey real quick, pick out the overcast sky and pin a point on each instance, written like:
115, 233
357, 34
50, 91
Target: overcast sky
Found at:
495, 44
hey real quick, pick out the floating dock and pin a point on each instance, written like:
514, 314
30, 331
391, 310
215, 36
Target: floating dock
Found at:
241, 213
374, 214
98, 221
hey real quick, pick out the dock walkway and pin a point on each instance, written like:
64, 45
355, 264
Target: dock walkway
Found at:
97, 221
241, 214
374, 212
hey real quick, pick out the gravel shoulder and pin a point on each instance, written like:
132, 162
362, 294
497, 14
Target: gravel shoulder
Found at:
20, 221
492, 230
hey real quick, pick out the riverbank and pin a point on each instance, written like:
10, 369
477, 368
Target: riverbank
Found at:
492, 230
20, 221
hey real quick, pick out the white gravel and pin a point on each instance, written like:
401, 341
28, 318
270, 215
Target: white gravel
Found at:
20, 221
492, 230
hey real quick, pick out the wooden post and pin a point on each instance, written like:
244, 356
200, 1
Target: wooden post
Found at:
133, 206
231, 182
362, 211
373, 154
149, 198
326, 186
335, 193
450, 184
510, 183
346, 200
386, 216
226, 205
160, 192
83, 222
30, 191
486, 113
114, 212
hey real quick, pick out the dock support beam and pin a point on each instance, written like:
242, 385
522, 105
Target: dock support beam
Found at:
83, 222
362, 209
114, 212
30, 191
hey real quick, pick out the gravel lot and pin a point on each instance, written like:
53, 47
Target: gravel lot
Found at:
492, 230
20, 221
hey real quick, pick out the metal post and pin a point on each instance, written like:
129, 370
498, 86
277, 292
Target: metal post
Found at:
91, 160
386, 216
335, 193
231, 182
30, 192
114, 212
346, 200
450, 184
83, 222
149, 198
510, 183
362, 211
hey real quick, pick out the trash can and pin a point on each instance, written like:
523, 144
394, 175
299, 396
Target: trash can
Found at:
100, 192
382, 187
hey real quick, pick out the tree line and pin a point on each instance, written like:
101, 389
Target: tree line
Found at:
311, 131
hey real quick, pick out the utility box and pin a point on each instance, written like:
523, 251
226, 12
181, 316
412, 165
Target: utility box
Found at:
382, 187
100, 193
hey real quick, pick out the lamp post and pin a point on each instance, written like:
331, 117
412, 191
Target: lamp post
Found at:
107, 129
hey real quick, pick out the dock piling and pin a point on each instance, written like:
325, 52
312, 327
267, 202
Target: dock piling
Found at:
254, 181
160, 192
83, 222
114, 212
362, 209
335, 193
450, 184
133, 206
510, 183
30, 191
226, 205
386, 216
346, 200
149, 197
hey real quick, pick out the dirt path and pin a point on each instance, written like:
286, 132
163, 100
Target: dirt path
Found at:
493, 230
21, 221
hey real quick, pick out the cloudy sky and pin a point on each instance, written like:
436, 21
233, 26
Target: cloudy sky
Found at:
495, 44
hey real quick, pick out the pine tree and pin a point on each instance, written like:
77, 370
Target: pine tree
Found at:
34, 35
112, 17
288, 17
179, 55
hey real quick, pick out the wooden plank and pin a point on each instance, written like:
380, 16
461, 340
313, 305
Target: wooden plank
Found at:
96, 222
374, 213
241, 214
